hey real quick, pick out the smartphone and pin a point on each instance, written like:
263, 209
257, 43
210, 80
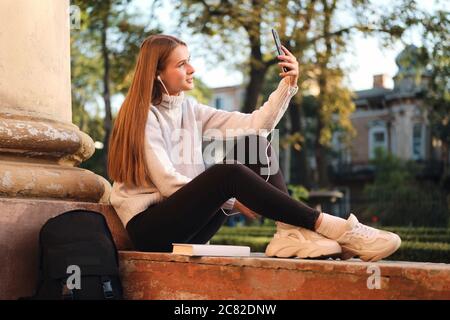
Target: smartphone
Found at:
278, 45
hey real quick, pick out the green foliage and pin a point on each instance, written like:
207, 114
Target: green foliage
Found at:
417, 234
396, 198
257, 244
423, 252
437, 96
268, 223
298, 192
95, 164
426, 231
103, 54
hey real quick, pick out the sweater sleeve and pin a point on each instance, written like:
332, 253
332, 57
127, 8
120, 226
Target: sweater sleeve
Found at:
266, 117
161, 170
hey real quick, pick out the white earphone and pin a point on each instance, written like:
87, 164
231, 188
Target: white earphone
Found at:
159, 78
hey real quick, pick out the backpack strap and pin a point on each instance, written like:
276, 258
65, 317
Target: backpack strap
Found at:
108, 292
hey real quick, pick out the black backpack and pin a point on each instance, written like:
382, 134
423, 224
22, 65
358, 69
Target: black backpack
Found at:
78, 259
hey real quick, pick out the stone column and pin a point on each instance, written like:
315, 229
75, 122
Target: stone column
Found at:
39, 146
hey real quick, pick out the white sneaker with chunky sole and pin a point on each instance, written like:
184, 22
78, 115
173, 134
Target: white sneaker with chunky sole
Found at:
292, 241
367, 243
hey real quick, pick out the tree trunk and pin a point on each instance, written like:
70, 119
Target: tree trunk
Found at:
299, 165
253, 89
258, 68
106, 92
321, 158
445, 161
320, 150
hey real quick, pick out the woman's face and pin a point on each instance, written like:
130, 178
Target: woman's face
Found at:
178, 74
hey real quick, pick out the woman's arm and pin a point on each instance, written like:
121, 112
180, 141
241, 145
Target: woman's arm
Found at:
217, 122
266, 117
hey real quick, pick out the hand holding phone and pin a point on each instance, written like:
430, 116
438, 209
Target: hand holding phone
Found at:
278, 45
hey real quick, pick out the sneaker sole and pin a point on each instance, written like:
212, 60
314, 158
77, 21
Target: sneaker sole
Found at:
370, 256
334, 256
319, 253
325, 257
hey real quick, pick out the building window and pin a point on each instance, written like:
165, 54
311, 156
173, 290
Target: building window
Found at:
218, 103
342, 152
417, 142
377, 139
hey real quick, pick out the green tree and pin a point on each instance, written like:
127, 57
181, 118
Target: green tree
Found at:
103, 56
436, 56
314, 31
397, 198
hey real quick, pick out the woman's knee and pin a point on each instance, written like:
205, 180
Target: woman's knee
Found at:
228, 168
254, 140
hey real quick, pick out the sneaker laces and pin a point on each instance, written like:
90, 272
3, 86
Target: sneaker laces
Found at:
363, 231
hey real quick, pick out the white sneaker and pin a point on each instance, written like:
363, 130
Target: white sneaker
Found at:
367, 243
292, 241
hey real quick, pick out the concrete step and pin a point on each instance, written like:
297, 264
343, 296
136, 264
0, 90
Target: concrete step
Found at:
166, 276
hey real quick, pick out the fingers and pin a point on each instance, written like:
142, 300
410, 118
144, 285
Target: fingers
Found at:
289, 61
286, 51
287, 58
293, 69
287, 64
289, 73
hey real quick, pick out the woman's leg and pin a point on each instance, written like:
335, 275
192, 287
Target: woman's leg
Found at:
191, 208
250, 145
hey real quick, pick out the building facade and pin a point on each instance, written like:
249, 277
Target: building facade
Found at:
393, 119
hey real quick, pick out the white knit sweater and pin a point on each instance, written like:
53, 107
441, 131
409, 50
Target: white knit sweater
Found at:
173, 144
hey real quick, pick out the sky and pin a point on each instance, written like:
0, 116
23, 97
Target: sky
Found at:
365, 58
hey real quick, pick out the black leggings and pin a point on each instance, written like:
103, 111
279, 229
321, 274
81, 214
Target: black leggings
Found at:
192, 214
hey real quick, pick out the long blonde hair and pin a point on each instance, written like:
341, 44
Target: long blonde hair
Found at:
126, 155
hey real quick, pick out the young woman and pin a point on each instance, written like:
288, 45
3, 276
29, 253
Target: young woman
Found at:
162, 199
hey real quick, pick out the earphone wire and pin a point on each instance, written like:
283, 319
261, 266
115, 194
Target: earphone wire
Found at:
160, 80
268, 170
267, 157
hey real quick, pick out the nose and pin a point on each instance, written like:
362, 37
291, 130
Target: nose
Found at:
191, 69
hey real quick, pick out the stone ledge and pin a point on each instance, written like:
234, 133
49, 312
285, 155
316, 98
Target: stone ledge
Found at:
163, 276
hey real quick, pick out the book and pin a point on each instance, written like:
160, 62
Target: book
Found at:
191, 249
